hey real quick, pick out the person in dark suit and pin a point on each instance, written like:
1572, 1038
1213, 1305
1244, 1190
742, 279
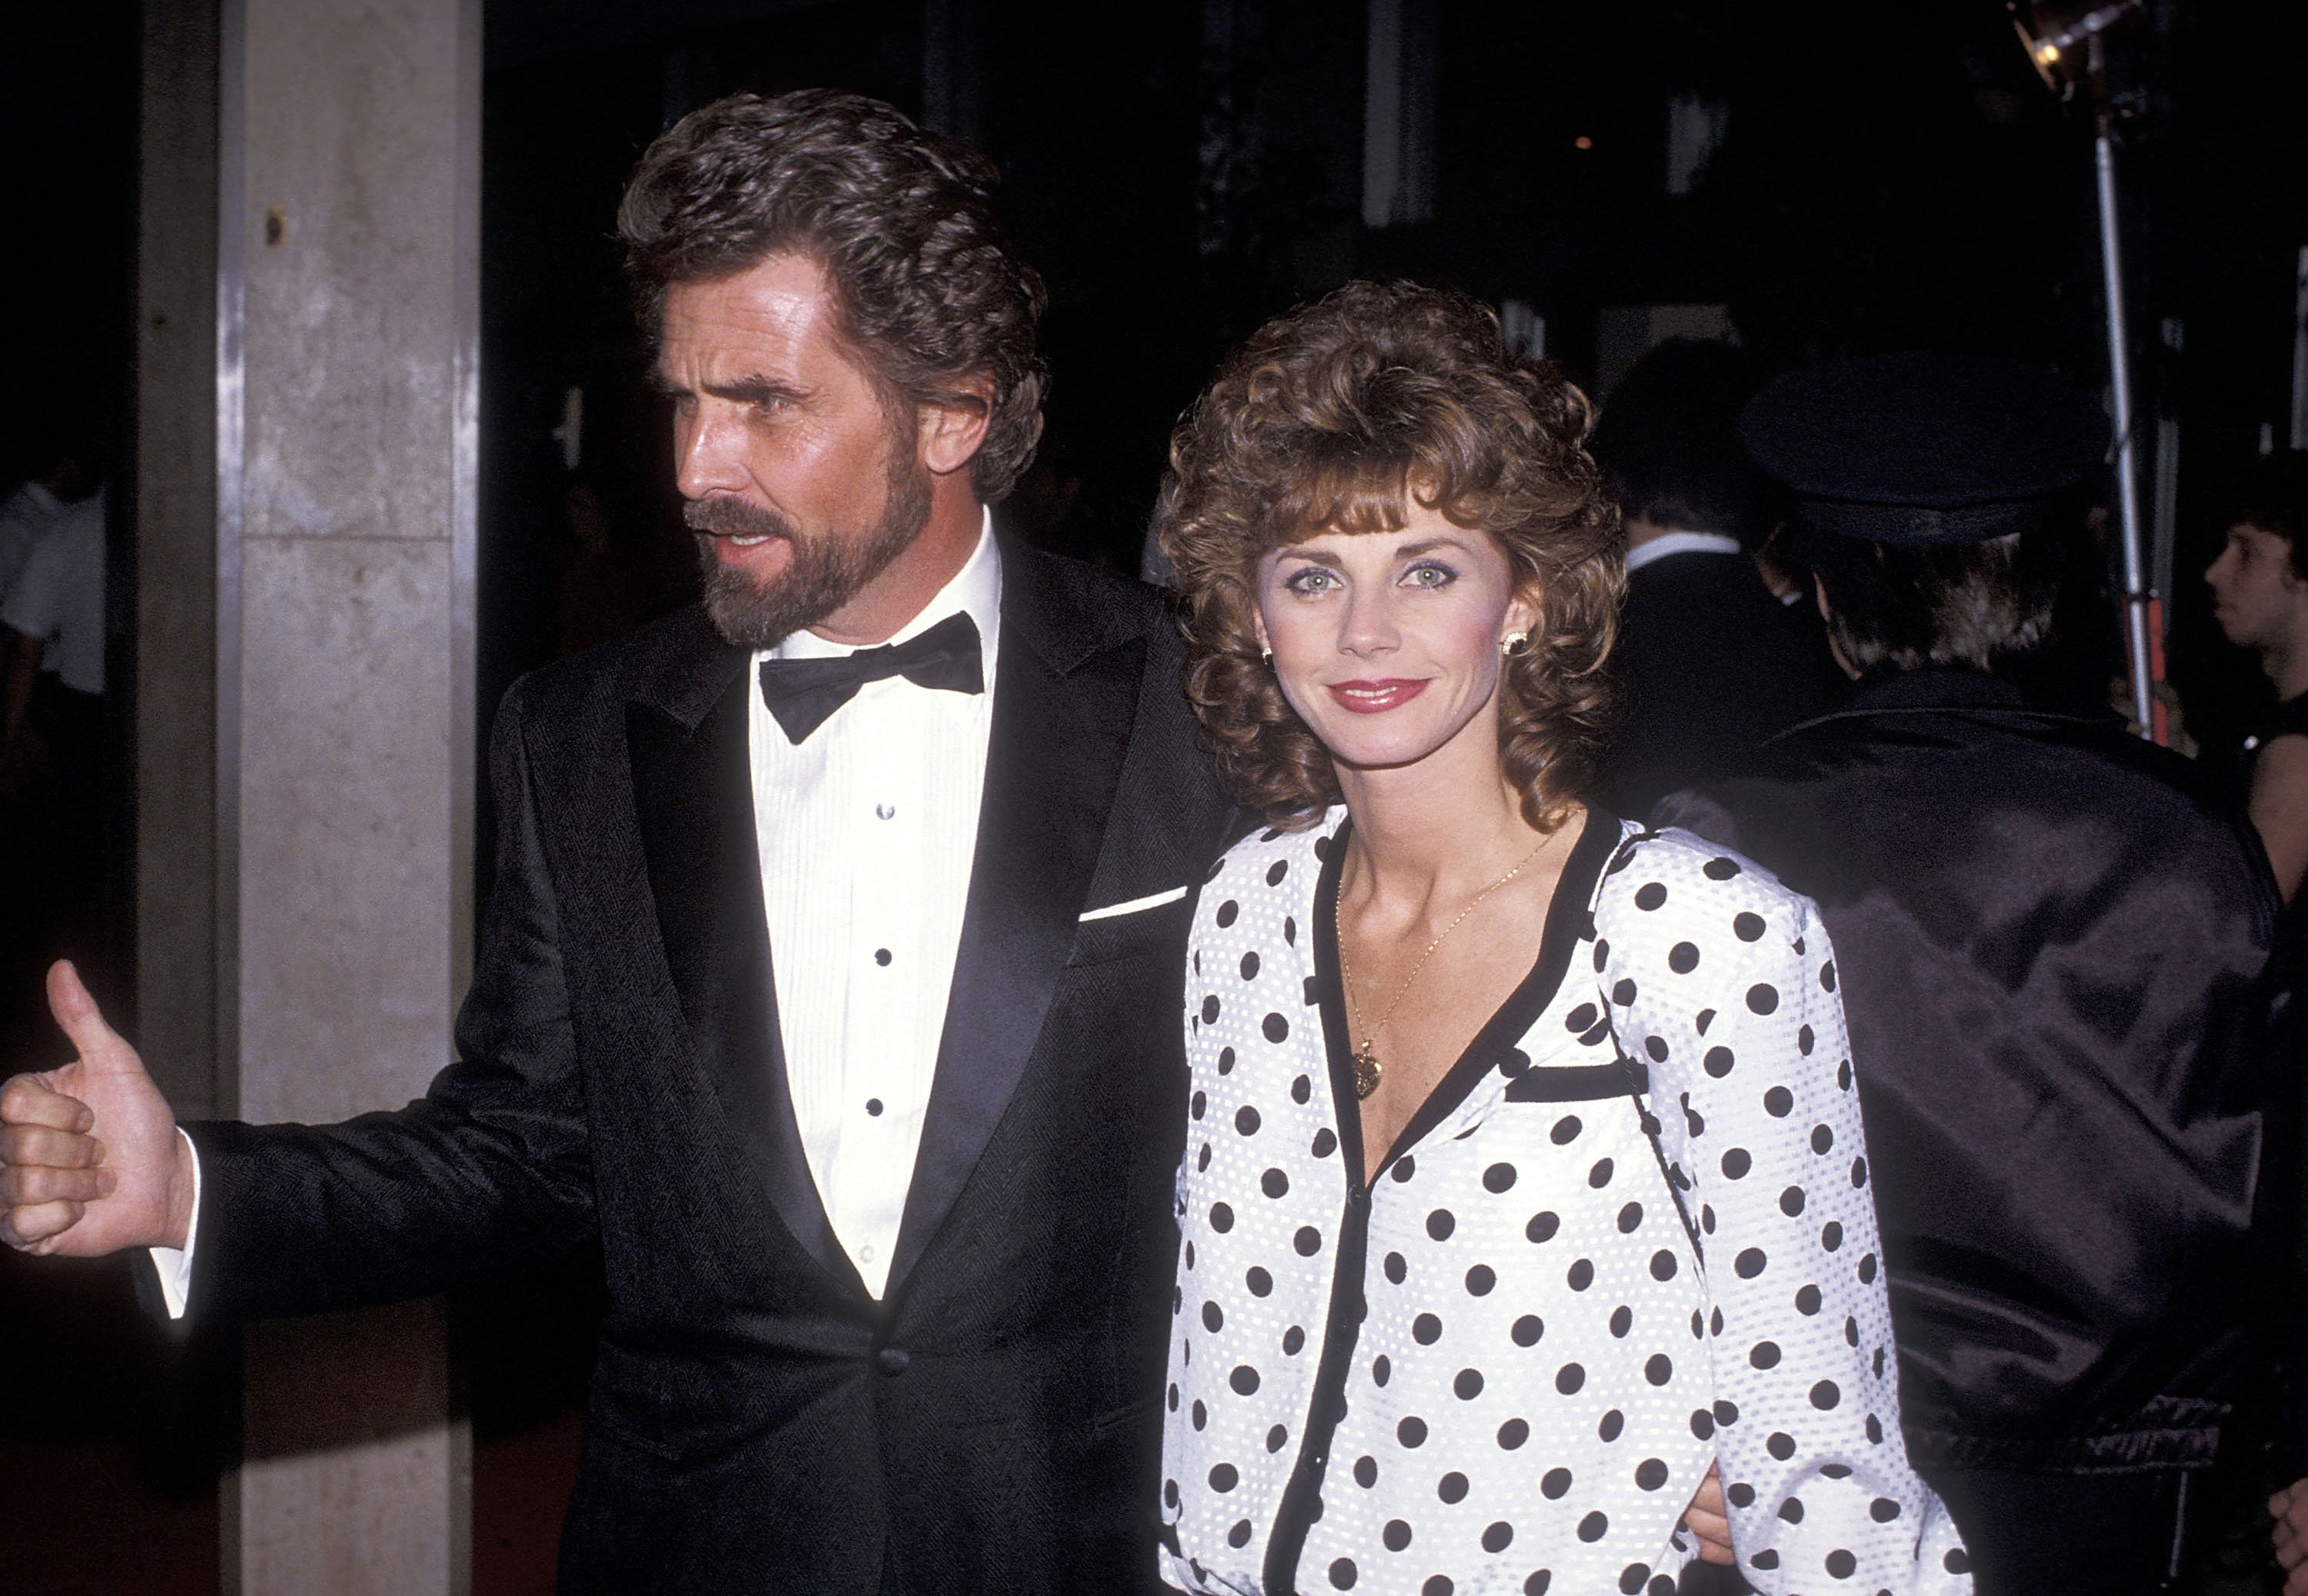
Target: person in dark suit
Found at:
2051, 940
1711, 661
831, 975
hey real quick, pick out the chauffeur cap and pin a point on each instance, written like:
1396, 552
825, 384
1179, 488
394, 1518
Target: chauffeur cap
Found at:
1924, 448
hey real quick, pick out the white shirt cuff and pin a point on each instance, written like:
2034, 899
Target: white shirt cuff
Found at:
174, 1265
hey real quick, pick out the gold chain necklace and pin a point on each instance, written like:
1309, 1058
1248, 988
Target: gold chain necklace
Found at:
1366, 1065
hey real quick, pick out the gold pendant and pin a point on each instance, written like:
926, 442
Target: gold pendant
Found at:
1365, 1071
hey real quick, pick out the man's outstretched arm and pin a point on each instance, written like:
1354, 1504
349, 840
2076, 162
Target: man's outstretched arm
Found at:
491, 1169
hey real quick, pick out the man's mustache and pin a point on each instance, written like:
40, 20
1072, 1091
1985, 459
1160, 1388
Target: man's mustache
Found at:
733, 517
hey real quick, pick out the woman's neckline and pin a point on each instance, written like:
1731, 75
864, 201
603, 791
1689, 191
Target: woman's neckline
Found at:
1566, 921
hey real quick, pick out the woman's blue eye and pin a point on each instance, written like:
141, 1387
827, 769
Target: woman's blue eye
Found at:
1430, 576
1313, 578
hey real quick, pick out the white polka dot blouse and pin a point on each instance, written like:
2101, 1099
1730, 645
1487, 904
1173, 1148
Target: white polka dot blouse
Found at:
1628, 1236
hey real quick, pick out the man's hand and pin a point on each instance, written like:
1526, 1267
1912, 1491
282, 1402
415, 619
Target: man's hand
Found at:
1708, 1519
91, 1161
2289, 1508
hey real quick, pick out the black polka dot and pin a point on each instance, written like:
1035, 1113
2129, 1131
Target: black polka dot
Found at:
1566, 1130
1651, 894
1221, 1218
1580, 1275
1747, 927
1542, 1227
1632, 1578
1366, 1471
1807, 1300
1290, 930
1451, 1487
1624, 993
1224, 1478
1822, 1138
1404, 1168
1468, 1385
1411, 1432
1831, 1236
1239, 1536
1512, 1434
1380, 1370
1594, 1527
1650, 1473
1437, 1584
1717, 1062
1600, 1175
1762, 998
1659, 1368
1260, 1282
1276, 1028
1703, 1424
1827, 975
1791, 1201
1226, 1060
1301, 1089
1201, 1414
1498, 1177
1824, 1396
1749, 1262
1326, 1142
1276, 871
1767, 1558
1498, 1537
1841, 1563
1227, 913
1610, 1425
1250, 966
1683, 958
1781, 1445
1169, 1493
1440, 1224
1244, 1380
1395, 1266
1481, 1281
1740, 1494
1791, 1510
1883, 1510
1654, 1049
1957, 1561
1580, 1018
1293, 1340
1858, 1172
1720, 868
1342, 1569
1765, 1354
1426, 1329
1396, 1535
1210, 1008
1308, 1240
1736, 1162
1778, 1103
1212, 1318
1528, 1329
1536, 1585
1569, 1379
1663, 1265
1622, 1320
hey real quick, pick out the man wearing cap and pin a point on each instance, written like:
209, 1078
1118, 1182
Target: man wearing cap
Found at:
2050, 938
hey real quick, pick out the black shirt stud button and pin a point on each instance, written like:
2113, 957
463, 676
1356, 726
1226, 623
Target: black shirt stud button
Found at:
892, 1361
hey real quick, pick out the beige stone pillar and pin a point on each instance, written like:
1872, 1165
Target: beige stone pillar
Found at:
309, 540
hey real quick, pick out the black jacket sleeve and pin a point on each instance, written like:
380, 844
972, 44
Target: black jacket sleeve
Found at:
490, 1170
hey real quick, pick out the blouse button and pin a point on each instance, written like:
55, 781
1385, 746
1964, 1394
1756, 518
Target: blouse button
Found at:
883, 812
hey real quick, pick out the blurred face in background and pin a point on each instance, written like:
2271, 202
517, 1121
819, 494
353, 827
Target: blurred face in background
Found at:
2258, 598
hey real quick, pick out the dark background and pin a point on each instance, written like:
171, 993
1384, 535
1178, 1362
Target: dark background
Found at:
1891, 174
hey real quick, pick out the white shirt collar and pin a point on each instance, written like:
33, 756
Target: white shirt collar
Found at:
975, 591
1680, 543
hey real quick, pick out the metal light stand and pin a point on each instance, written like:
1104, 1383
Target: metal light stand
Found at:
2059, 28
2140, 604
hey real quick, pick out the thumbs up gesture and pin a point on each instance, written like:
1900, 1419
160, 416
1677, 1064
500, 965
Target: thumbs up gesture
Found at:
91, 1161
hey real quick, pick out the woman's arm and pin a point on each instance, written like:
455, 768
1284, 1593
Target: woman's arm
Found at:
1734, 1009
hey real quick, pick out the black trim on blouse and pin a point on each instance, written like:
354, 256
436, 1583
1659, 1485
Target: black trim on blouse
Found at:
1491, 1048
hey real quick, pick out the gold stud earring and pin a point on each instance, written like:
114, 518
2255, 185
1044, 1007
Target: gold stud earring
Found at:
1515, 644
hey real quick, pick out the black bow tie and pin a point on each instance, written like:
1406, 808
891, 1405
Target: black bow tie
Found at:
803, 693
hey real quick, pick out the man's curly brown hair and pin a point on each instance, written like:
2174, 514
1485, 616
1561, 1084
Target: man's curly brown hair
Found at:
1329, 420
899, 220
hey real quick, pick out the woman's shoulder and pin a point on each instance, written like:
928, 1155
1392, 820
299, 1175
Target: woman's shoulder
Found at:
1273, 858
1674, 875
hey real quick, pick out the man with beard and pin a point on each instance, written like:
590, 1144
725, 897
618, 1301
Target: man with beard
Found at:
831, 975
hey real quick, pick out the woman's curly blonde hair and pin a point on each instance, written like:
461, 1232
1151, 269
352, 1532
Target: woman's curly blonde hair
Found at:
1329, 420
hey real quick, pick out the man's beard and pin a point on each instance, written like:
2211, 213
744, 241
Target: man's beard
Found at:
827, 569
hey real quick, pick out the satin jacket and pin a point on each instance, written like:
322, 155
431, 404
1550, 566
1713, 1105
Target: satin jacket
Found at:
2053, 938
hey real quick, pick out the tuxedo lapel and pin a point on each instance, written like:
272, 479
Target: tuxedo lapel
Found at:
1065, 695
692, 791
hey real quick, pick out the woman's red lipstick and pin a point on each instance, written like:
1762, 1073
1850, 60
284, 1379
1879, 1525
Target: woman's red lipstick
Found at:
1374, 697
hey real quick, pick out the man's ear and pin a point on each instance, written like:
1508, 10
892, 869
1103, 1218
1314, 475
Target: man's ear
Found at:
1827, 615
950, 430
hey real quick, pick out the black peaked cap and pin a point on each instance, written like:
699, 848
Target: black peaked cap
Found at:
1926, 448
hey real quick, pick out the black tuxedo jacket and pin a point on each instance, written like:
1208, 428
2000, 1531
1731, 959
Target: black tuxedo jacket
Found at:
757, 1422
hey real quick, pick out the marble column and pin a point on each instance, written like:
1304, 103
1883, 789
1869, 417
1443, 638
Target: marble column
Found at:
311, 536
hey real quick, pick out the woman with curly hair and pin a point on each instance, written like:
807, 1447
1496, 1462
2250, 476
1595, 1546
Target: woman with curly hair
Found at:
1524, 1179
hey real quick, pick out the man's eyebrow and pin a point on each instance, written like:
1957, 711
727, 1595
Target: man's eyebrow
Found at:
753, 389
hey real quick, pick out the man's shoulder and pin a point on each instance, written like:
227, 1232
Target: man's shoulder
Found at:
654, 662
1075, 606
